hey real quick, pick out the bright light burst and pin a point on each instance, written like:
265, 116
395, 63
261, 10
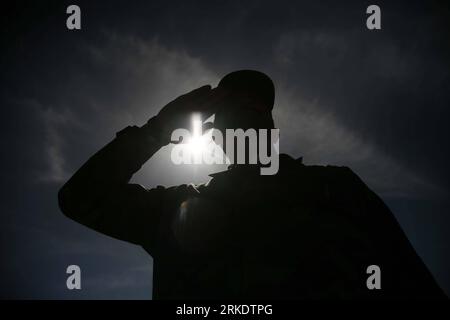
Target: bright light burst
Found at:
198, 142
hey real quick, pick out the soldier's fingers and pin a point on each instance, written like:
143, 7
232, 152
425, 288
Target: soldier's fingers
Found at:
210, 103
190, 102
196, 93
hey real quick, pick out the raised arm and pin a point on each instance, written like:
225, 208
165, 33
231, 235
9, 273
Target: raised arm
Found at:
99, 196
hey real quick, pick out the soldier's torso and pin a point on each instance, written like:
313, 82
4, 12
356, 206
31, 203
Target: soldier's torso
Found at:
243, 235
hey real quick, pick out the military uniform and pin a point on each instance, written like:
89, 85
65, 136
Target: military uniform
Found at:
306, 232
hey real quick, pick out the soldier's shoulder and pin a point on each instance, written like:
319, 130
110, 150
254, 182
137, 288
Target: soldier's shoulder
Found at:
296, 167
331, 169
333, 173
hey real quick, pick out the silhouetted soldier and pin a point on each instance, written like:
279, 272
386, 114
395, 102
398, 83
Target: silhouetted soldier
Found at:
306, 232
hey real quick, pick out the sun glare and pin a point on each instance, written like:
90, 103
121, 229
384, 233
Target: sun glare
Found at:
198, 142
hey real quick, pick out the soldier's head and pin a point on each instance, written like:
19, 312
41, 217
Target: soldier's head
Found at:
248, 103
248, 99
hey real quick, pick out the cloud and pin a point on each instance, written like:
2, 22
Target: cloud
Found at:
132, 79
149, 75
297, 45
348, 97
317, 135
52, 121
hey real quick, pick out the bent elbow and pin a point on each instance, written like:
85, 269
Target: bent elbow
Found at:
68, 203
64, 201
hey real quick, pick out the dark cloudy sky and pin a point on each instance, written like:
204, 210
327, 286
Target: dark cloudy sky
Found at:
376, 101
